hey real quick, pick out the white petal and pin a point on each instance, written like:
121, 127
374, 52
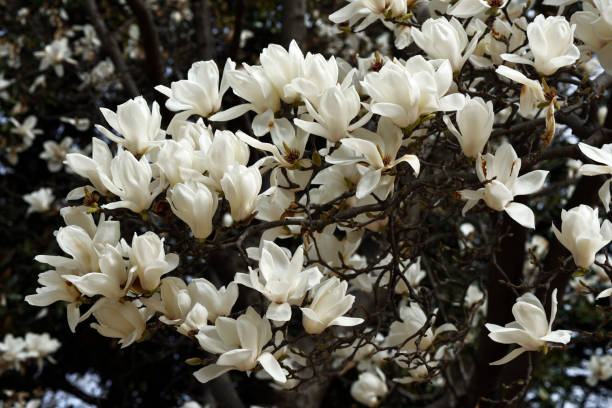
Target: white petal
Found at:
272, 367
530, 183
509, 357
521, 214
210, 372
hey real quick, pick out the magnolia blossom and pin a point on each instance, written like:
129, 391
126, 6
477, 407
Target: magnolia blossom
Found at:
150, 260
318, 74
441, 38
241, 187
55, 54
226, 150
337, 109
179, 162
130, 179
252, 85
288, 145
413, 319
604, 156
473, 296
114, 278
370, 388
218, 302
600, 368
471, 8
532, 93
582, 235
379, 151
195, 204
199, 94
55, 153
403, 92
411, 272
369, 11
281, 279
91, 168
499, 174
40, 200
475, 122
551, 41
531, 330
139, 125
240, 343
118, 319
594, 28
282, 66
328, 307
26, 130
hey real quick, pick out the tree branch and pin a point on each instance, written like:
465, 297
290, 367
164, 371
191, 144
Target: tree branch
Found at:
111, 48
150, 41
205, 41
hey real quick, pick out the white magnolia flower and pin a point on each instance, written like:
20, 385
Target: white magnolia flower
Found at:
288, 147
368, 11
473, 296
13, 349
318, 75
337, 109
175, 301
504, 36
411, 272
120, 320
179, 162
551, 41
582, 235
241, 187
475, 122
114, 278
26, 130
252, 85
282, 66
499, 174
379, 150
226, 150
441, 39
41, 345
281, 278
199, 94
40, 200
600, 368
604, 156
370, 388
532, 93
218, 302
130, 179
403, 92
594, 28
471, 8
195, 204
328, 307
413, 319
55, 153
91, 168
139, 125
55, 54
83, 242
531, 330
150, 260
240, 343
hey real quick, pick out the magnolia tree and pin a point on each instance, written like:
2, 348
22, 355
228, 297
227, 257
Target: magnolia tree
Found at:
412, 224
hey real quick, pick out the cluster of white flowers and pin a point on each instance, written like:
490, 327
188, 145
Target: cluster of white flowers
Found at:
16, 351
359, 124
